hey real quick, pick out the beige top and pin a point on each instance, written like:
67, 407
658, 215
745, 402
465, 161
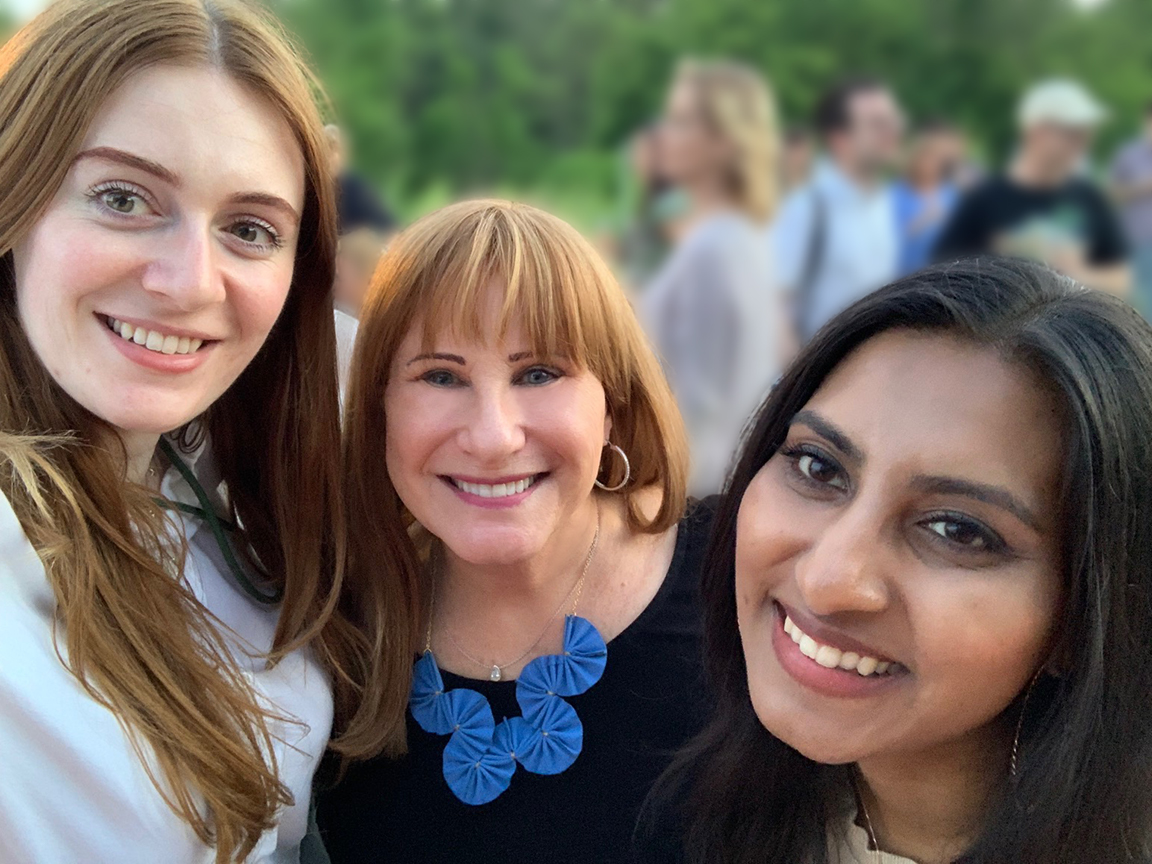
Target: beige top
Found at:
851, 847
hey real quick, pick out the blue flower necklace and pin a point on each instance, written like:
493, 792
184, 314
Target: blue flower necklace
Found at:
481, 755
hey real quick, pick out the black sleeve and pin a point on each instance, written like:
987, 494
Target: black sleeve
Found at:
1108, 243
966, 232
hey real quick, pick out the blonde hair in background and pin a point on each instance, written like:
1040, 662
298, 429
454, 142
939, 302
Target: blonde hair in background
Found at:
737, 103
135, 637
568, 302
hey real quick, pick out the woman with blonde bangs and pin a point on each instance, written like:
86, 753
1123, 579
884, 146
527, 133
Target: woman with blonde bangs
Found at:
171, 540
714, 310
517, 469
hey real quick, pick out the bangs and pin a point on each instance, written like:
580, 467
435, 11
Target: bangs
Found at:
551, 286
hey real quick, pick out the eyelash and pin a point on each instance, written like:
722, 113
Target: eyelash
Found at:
427, 376
993, 542
97, 192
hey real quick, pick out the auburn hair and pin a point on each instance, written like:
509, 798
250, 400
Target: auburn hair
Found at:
737, 103
135, 637
556, 286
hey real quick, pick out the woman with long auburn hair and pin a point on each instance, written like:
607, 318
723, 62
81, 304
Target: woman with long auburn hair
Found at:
929, 590
516, 474
172, 657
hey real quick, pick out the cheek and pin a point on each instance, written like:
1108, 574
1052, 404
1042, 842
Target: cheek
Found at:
770, 531
979, 641
258, 296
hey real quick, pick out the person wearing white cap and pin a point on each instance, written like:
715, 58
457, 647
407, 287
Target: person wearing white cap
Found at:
1044, 207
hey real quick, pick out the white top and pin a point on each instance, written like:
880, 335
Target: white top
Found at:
861, 249
716, 316
71, 787
346, 327
851, 846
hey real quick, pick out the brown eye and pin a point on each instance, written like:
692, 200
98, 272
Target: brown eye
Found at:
820, 470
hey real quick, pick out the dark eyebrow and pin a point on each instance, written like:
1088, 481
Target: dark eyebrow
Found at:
994, 495
266, 200
111, 154
451, 358
828, 430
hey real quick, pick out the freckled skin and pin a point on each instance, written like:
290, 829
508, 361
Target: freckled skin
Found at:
971, 624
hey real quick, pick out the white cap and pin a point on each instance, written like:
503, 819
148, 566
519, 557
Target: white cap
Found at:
1062, 102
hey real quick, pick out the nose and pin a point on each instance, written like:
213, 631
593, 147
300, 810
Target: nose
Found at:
844, 568
184, 270
493, 429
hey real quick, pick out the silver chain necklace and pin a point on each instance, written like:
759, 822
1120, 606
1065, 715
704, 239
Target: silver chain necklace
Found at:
496, 670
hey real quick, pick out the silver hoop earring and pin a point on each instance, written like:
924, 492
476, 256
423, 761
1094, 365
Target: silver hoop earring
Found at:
627, 471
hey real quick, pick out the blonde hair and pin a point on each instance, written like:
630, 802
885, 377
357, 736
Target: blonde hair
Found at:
568, 302
737, 103
136, 638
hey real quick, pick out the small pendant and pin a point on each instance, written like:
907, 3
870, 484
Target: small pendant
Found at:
494, 675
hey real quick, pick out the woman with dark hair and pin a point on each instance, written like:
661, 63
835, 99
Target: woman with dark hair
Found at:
928, 591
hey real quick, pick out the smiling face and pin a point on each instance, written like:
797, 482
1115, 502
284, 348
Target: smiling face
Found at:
897, 570
492, 448
164, 259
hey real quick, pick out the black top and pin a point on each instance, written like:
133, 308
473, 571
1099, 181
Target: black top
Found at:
650, 700
1002, 217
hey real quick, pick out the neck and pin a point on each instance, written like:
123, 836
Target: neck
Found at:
1029, 171
859, 174
140, 448
928, 806
708, 195
540, 579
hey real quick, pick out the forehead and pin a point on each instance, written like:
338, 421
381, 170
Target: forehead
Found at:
926, 404
204, 126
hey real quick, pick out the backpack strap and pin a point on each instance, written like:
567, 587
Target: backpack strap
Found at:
813, 261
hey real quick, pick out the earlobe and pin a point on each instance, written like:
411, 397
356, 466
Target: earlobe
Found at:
607, 427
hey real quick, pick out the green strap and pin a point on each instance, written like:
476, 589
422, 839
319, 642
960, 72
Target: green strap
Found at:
216, 524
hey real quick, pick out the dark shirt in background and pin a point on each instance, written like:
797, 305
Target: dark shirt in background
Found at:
1000, 216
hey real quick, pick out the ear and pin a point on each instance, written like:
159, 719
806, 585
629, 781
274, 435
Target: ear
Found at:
607, 426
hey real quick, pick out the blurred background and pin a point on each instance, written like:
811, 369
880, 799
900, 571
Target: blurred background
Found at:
444, 98
749, 167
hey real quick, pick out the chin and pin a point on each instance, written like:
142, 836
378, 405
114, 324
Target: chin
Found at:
810, 739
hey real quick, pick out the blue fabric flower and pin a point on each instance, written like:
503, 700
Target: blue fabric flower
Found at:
481, 756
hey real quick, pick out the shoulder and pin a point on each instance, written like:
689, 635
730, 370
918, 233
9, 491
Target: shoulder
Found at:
692, 538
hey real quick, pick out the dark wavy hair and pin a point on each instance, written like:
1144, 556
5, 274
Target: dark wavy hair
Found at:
1083, 791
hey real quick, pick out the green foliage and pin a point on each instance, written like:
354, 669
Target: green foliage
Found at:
450, 97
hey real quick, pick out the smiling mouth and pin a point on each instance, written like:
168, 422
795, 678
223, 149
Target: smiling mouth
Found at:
833, 658
153, 340
496, 490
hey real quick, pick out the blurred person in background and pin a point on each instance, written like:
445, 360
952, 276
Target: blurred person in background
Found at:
1131, 180
797, 158
925, 197
1044, 207
653, 210
836, 239
962, 168
714, 311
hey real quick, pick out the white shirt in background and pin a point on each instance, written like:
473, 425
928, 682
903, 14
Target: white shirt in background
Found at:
861, 247
715, 316
72, 790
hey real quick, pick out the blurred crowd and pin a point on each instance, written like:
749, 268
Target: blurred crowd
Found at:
741, 238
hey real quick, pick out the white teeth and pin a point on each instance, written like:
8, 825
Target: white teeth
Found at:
499, 490
833, 658
153, 340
